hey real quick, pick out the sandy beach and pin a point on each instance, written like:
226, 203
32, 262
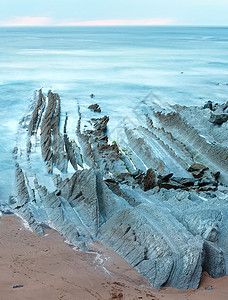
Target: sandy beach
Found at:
36, 267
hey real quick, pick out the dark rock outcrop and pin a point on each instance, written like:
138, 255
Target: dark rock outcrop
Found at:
149, 180
218, 118
95, 107
209, 105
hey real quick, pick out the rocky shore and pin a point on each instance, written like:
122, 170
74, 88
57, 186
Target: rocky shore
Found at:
157, 195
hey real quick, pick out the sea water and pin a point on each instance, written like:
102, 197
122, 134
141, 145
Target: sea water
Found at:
120, 65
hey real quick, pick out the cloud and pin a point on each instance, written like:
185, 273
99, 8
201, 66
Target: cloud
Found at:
156, 21
27, 21
45, 21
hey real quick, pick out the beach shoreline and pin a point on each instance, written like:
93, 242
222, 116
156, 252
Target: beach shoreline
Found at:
49, 268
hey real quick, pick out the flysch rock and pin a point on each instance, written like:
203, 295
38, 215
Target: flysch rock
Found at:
200, 217
218, 118
95, 107
69, 148
191, 126
46, 150
158, 197
52, 143
214, 262
37, 113
60, 157
21, 206
157, 245
85, 144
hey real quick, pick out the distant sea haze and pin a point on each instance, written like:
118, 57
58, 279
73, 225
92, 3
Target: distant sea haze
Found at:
119, 65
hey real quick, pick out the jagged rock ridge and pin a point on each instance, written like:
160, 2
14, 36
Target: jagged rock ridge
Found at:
157, 196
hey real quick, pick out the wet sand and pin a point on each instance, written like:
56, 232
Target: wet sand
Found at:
49, 268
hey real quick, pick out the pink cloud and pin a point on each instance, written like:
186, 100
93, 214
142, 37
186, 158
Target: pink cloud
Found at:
45, 21
156, 21
27, 21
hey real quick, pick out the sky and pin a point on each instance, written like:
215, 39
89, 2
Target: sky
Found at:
113, 12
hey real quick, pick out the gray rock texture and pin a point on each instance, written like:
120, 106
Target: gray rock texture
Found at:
158, 196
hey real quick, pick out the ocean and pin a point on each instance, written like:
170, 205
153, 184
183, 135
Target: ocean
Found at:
120, 65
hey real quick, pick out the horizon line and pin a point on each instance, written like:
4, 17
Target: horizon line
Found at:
122, 25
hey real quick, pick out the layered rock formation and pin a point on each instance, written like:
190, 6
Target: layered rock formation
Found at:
157, 196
